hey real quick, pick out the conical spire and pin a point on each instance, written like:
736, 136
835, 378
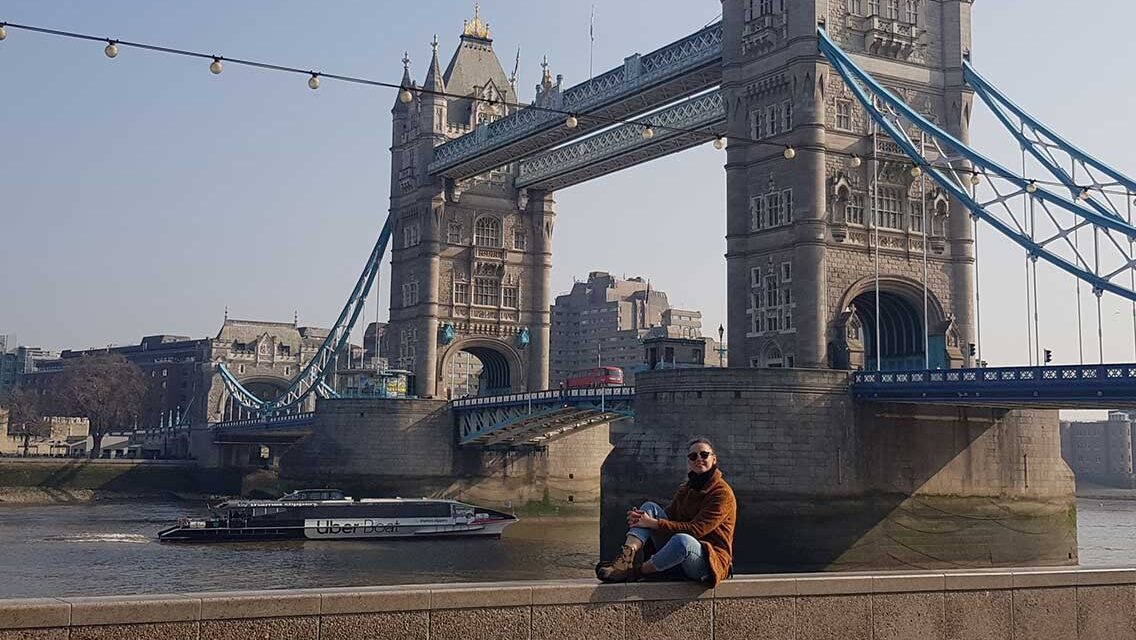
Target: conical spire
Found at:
434, 81
407, 82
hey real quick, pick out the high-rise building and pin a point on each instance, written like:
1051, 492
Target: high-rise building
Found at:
20, 361
602, 321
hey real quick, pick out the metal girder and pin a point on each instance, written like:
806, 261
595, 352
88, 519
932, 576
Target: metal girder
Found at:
624, 146
1047, 224
312, 378
539, 417
642, 83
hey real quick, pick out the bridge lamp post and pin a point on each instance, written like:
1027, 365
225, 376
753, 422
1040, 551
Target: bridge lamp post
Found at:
721, 349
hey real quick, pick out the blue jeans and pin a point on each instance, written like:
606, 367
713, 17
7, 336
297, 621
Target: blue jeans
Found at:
680, 555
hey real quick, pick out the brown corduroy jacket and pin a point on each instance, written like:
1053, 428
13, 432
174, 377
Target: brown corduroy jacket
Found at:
708, 516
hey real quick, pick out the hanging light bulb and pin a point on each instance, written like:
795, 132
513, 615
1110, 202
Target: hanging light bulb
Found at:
1084, 195
976, 179
648, 132
111, 50
856, 162
3, 32
571, 122
405, 96
720, 143
216, 67
916, 171
790, 153
314, 81
1031, 187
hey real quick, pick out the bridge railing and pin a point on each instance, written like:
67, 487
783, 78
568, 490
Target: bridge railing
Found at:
550, 395
274, 421
1005, 375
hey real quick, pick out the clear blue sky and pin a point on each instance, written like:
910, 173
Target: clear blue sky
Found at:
144, 195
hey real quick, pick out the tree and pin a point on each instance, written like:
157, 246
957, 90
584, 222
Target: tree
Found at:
105, 388
25, 419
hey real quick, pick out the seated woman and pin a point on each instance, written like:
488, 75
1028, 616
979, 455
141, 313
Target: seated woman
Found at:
694, 535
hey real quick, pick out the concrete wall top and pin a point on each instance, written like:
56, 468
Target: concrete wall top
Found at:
1025, 603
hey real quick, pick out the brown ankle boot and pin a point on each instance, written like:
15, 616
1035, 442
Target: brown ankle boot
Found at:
623, 569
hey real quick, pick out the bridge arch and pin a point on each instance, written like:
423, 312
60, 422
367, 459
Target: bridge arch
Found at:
901, 327
503, 369
265, 387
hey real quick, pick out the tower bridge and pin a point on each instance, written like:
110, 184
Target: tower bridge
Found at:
853, 193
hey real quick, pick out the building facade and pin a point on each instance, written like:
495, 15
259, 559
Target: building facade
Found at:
21, 360
601, 322
805, 235
1101, 451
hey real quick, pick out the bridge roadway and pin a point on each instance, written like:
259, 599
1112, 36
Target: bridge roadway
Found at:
533, 419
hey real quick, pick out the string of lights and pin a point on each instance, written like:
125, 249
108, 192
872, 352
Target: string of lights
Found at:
406, 95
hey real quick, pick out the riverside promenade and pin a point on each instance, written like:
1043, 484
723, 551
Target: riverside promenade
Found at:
1054, 604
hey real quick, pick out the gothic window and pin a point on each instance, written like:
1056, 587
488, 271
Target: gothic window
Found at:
486, 291
913, 12
411, 234
772, 119
854, 209
893, 9
774, 359
855, 7
757, 213
520, 240
890, 211
407, 347
509, 297
765, 8
785, 216
916, 217
461, 293
772, 208
410, 291
487, 232
757, 124
787, 116
844, 115
873, 7
771, 299
454, 232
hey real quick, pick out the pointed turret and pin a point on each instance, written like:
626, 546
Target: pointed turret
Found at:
434, 78
406, 83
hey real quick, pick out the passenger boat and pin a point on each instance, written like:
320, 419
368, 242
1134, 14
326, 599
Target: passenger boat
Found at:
327, 514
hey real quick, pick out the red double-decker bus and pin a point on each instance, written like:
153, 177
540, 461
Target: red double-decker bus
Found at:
597, 377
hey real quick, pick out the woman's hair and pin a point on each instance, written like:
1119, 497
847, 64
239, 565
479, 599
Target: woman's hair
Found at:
700, 441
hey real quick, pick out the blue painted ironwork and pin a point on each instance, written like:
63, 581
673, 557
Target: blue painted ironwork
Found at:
312, 379
446, 333
523, 337
539, 417
268, 423
694, 52
945, 168
1062, 386
707, 111
1045, 141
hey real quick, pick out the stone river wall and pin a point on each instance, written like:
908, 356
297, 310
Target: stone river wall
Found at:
1054, 604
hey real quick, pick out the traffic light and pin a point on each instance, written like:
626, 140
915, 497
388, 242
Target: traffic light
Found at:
1048, 356
972, 349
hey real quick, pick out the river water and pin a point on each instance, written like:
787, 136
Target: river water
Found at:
110, 549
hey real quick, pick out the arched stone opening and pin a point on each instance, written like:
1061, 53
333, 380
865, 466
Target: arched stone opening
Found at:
479, 367
904, 339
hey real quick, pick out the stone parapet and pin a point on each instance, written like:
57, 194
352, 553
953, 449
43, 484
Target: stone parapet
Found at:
1086, 604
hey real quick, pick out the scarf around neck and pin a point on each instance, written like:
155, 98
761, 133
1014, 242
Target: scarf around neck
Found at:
697, 481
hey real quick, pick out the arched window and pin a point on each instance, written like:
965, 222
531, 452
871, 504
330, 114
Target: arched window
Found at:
487, 232
774, 358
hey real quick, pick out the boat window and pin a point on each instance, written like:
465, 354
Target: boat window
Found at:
427, 510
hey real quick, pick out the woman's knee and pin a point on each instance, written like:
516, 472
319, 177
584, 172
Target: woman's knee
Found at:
651, 507
687, 541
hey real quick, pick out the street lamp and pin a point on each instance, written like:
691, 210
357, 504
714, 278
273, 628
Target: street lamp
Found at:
721, 349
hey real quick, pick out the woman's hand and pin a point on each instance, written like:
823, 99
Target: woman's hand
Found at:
640, 518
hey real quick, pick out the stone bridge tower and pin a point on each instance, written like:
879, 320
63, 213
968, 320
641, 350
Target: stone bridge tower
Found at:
472, 259
801, 233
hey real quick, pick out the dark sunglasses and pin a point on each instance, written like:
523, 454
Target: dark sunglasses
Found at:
694, 455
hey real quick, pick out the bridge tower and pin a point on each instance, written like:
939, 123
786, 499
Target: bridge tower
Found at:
802, 239
472, 259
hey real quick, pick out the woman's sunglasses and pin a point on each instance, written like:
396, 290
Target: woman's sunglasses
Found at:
694, 455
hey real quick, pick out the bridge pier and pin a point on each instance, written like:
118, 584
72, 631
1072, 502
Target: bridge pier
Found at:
824, 483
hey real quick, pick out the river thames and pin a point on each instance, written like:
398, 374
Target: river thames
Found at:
110, 549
